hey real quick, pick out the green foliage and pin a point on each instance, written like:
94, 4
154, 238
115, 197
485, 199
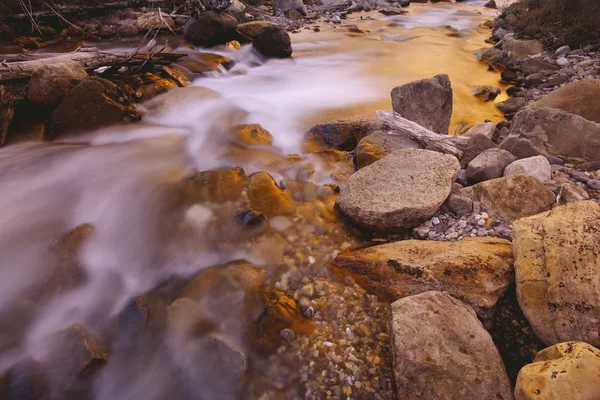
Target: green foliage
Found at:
558, 22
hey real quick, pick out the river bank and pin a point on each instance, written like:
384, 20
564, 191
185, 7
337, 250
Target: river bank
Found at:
270, 229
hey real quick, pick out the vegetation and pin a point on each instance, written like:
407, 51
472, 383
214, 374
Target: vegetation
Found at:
558, 22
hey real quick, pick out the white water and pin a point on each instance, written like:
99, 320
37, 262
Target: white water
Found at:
117, 180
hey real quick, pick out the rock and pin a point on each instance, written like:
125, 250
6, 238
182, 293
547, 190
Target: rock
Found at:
537, 166
218, 5
569, 370
556, 266
563, 62
153, 20
549, 131
475, 270
128, 30
273, 41
252, 135
343, 133
268, 198
579, 97
485, 128
460, 205
289, 5
427, 102
24, 381
491, 4
569, 193
49, 84
499, 34
511, 105
522, 48
249, 29
236, 7
210, 28
91, 104
488, 165
441, 351
399, 191
562, 51
511, 197
216, 185
486, 93
478, 143
378, 145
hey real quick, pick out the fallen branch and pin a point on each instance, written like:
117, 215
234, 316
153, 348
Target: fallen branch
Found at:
429, 139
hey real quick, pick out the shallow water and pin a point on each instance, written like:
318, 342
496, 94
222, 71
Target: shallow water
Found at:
120, 180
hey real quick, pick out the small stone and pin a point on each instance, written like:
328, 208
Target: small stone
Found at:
421, 232
337, 19
484, 215
563, 62
452, 236
462, 223
481, 232
435, 220
481, 222
287, 334
308, 290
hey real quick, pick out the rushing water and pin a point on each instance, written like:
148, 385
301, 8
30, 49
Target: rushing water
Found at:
119, 179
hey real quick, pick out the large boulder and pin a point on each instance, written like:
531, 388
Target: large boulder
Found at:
49, 84
511, 197
343, 133
273, 41
399, 191
537, 166
249, 29
378, 145
549, 131
478, 143
441, 351
489, 165
210, 28
569, 370
475, 270
579, 97
289, 5
557, 266
91, 104
427, 102
522, 48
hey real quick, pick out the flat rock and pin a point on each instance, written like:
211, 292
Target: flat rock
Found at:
557, 265
579, 97
399, 191
569, 370
511, 197
441, 351
537, 166
489, 165
474, 270
427, 102
486, 128
378, 145
49, 84
549, 131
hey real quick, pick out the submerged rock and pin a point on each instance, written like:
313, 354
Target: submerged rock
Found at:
557, 267
569, 370
399, 191
512, 197
49, 84
486, 92
210, 29
217, 185
475, 270
441, 351
273, 41
427, 102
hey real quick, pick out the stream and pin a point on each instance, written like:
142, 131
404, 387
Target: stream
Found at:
123, 181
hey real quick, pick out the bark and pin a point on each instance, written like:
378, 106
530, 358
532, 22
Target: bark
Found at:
89, 60
428, 139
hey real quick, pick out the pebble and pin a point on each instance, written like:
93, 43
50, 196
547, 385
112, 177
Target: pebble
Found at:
462, 223
308, 290
287, 334
481, 222
435, 220
481, 232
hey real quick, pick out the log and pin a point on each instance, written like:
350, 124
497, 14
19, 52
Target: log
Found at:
89, 60
443, 143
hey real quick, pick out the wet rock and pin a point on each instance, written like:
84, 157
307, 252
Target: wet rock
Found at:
265, 196
378, 145
491, 4
49, 84
216, 185
427, 102
478, 143
522, 48
91, 104
580, 97
489, 165
460, 205
250, 218
512, 197
24, 381
475, 270
249, 29
273, 41
343, 133
569, 370
538, 167
252, 135
549, 131
289, 5
511, 106
399, 191
486, 93
556, 265
441, 351
210, 29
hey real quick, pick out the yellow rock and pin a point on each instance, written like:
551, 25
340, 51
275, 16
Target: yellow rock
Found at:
265, 196
569, 370
214, 185
252, 135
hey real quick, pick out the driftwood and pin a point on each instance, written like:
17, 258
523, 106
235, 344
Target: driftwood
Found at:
401, 126
89, 60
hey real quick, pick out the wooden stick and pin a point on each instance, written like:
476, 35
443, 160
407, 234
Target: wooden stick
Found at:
434, 141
